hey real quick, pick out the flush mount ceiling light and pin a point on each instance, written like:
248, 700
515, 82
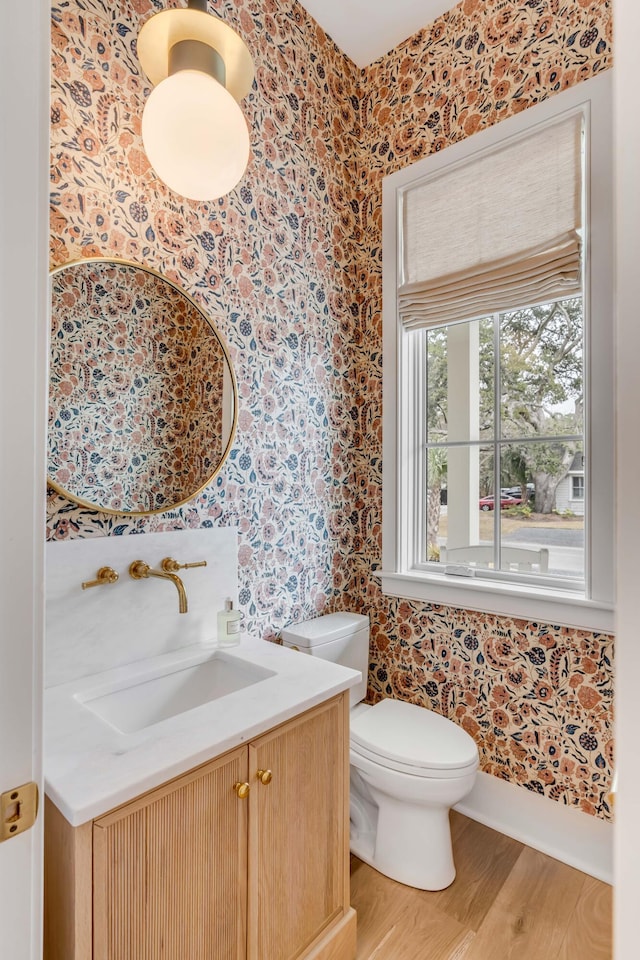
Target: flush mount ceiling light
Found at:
193, 130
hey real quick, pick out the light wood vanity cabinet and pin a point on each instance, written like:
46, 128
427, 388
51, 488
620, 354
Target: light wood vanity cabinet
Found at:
190, 871
298, 834
170, 870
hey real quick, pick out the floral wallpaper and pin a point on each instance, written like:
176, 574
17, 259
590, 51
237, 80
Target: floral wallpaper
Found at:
537, 698
289, 268
136, 390
272, 264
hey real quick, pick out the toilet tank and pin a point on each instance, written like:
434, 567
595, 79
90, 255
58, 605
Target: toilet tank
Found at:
339, 637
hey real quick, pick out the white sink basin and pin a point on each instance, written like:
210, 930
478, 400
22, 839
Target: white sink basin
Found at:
134, 705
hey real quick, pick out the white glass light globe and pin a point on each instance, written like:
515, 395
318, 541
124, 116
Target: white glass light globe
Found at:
195, 135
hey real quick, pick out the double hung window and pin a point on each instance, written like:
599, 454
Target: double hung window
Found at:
498, 368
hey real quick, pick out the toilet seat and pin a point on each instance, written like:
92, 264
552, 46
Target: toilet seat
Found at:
411, 739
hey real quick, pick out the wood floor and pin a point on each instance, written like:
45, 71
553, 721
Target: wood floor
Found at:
508, 902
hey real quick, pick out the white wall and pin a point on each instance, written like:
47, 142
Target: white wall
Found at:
627, 149
140, 618
24, 161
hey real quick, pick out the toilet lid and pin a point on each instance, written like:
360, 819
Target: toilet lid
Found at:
412, 735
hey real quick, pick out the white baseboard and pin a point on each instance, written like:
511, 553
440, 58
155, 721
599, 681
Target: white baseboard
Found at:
562, 832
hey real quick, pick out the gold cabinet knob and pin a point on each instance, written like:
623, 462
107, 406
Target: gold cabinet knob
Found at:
241, 789
264, 776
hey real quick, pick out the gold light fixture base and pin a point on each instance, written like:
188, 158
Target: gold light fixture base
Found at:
165, 29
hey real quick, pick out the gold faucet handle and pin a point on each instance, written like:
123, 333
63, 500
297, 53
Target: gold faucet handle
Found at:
139, 570
169, 565
104, 575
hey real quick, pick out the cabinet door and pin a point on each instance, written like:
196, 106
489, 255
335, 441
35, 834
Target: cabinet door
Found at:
170, 870
298, 840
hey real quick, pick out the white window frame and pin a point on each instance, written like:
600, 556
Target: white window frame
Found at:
402, 574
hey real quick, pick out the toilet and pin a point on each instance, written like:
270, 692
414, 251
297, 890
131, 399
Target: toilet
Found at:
409, 765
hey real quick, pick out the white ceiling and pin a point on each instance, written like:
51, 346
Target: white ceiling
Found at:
367, 29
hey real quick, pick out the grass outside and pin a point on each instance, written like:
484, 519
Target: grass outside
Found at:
509, 524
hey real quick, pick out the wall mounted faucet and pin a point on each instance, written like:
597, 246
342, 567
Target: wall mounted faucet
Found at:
139, 570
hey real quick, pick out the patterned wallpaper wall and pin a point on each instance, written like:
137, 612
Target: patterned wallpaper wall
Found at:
537, 698
273, 264
289, 267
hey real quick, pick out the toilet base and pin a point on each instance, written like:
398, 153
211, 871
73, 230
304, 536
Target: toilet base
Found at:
407, 839
363, 816
363, 850
362, 847
416, 851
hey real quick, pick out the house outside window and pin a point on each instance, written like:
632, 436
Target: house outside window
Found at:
498, 368
569, 496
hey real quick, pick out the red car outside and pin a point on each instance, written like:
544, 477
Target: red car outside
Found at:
488, 503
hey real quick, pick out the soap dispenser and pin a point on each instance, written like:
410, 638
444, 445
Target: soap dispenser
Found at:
229, 625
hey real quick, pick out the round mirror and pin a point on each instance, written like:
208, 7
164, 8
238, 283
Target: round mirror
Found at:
142, 397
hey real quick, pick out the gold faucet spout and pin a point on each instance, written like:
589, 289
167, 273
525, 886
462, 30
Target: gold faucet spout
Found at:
175, 579
140, 570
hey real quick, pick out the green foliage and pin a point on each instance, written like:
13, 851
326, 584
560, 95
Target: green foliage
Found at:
436, 465
514, 469
541, 369
522, 510
433, 552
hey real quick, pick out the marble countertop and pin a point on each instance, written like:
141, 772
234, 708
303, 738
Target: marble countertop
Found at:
90, 767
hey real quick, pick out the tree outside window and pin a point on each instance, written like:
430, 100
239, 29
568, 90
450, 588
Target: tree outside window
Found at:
518, 447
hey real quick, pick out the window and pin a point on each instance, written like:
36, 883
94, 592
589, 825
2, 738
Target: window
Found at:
577, 488
498, 368
504, 464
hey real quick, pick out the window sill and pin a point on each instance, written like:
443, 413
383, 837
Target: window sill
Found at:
541, 604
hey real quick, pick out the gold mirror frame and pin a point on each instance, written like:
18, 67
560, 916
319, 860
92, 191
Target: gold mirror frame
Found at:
89, 362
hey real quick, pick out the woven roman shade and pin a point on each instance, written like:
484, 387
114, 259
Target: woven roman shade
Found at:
496, 232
